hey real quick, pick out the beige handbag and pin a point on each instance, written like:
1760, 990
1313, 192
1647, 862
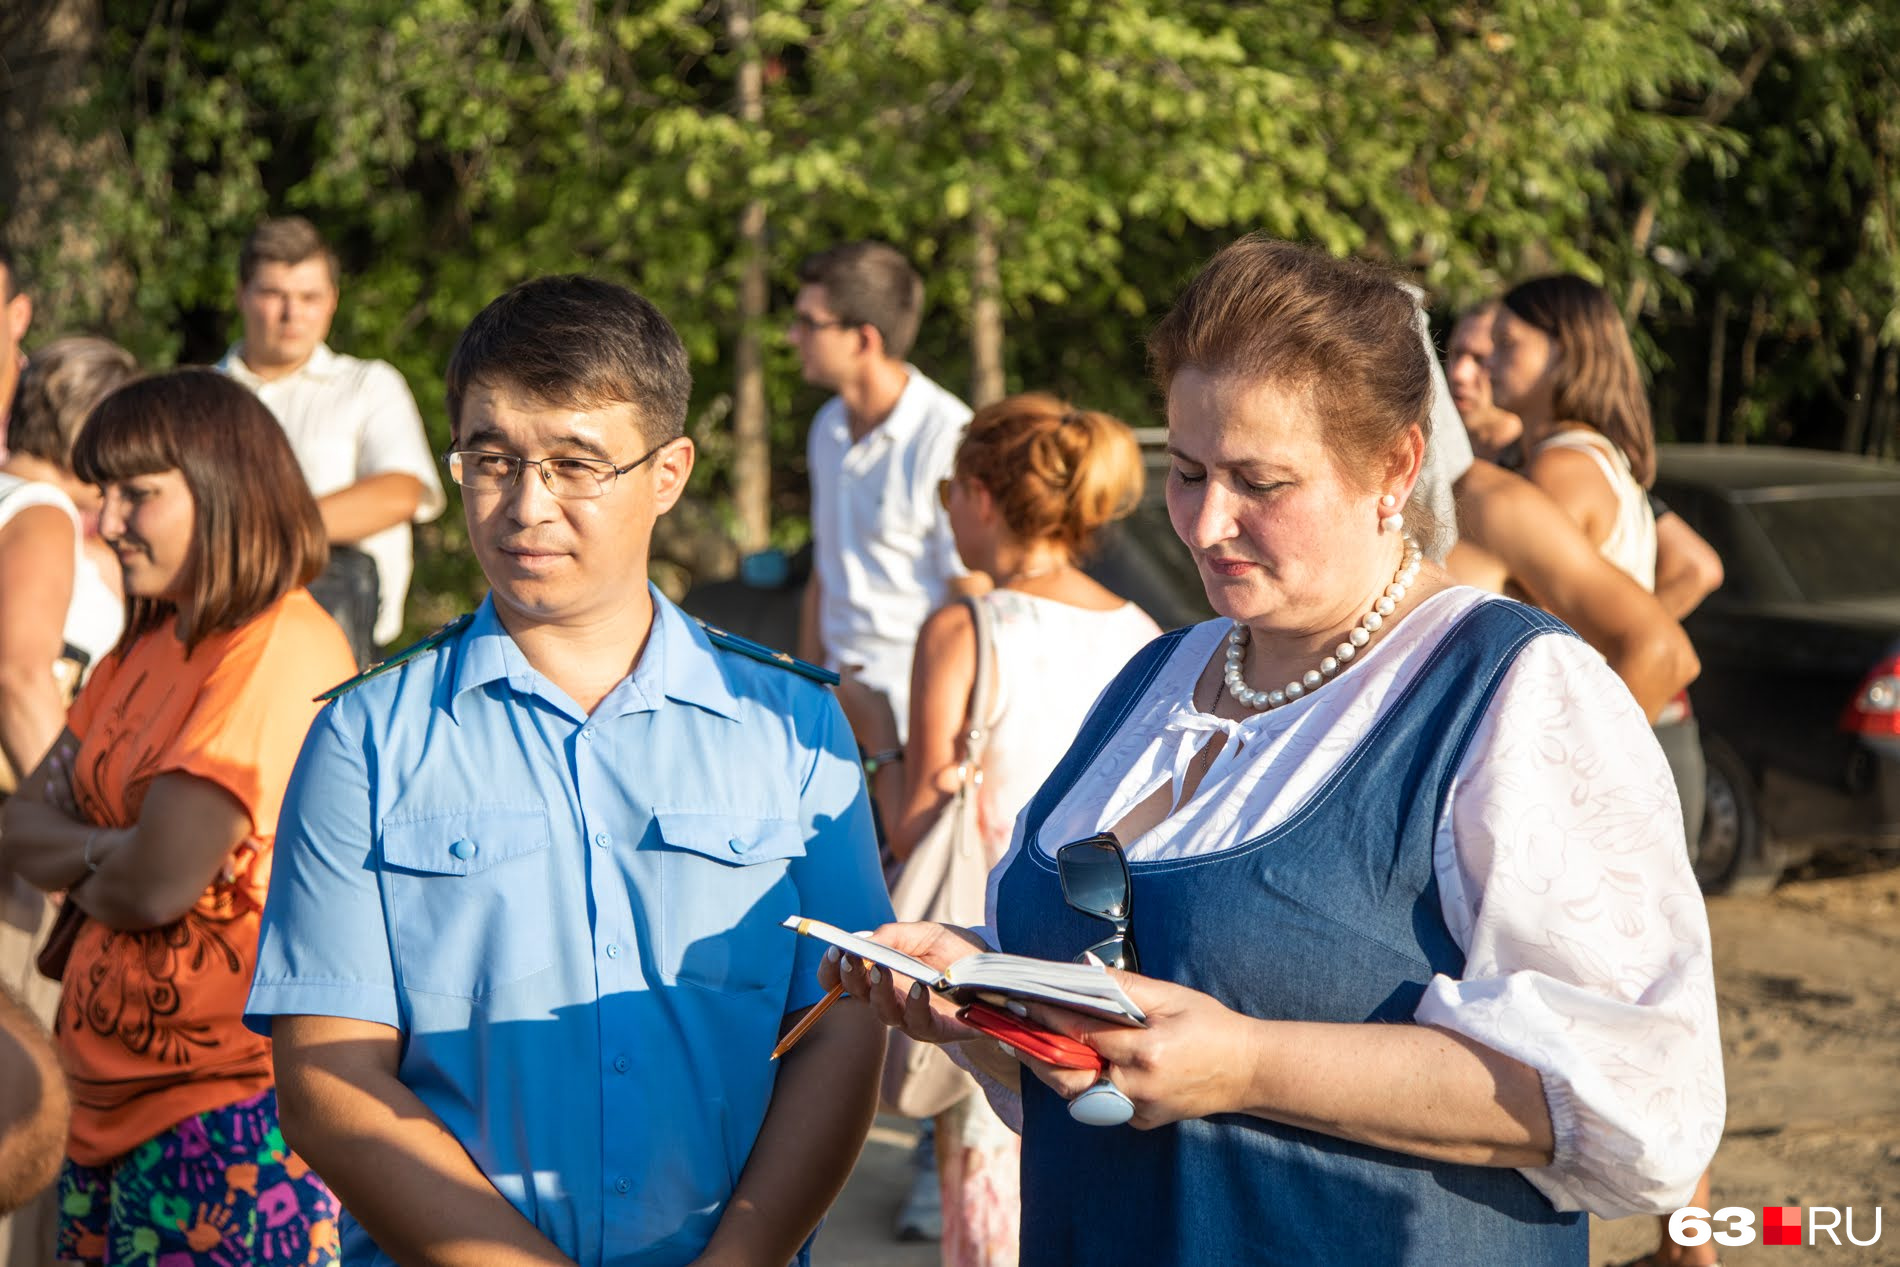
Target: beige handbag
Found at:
946, 880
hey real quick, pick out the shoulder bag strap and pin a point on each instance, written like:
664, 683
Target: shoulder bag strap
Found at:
976, 735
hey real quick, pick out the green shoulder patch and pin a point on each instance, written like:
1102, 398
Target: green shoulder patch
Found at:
766, 655
401, 657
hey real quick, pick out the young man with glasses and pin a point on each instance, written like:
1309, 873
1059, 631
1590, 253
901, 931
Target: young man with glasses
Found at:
883, 558
522, 960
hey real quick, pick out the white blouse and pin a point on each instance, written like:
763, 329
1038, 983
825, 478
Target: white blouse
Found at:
1561, 868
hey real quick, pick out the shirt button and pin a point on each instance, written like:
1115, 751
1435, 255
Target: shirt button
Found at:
463, 849
587, 732
622, 1064
613, 950
603, 839
737, 846
623, 1185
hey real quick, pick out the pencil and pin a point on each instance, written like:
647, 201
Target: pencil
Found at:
808, 1020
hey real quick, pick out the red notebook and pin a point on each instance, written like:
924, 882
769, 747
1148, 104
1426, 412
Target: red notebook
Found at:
1045, 1045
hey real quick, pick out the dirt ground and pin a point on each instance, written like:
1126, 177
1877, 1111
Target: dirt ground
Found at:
1809, 985
1810, 991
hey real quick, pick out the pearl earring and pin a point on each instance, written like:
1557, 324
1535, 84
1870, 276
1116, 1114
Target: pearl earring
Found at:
1392, 520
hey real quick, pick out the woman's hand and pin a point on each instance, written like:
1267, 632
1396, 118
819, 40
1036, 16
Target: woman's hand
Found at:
1195, 1058
897, 1001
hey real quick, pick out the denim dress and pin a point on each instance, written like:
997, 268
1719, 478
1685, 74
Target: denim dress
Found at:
1331, 916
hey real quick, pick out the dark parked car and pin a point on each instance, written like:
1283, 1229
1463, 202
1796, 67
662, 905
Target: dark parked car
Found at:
1799, 698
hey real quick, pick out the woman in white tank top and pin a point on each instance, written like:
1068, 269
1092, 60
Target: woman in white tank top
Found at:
1034, 482
52, 593
1561, 360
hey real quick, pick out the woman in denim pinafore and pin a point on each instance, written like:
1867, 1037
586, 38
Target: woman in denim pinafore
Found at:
1424, 970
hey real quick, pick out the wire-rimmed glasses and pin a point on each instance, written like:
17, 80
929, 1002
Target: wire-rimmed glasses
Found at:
485, 472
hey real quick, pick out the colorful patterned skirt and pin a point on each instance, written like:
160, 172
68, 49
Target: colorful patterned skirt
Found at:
217, 1190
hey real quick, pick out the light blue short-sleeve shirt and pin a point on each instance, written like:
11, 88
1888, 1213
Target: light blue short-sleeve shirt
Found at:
574, 919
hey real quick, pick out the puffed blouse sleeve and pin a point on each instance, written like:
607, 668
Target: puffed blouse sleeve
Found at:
1563, 875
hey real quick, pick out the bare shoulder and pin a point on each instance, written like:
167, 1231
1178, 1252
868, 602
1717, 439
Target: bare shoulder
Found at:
1574, 480
948, 633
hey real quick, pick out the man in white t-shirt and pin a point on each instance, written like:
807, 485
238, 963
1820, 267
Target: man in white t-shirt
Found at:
882, 557
352, 423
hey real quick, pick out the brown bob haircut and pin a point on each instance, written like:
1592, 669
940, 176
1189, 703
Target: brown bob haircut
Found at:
256, 535
1596, 380
871, 284
285, 240
1342, 333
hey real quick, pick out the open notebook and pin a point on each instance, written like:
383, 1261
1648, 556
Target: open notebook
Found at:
993, 977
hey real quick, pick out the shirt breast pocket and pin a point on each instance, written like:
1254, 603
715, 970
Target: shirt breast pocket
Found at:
469, 899
727, 885
900, 521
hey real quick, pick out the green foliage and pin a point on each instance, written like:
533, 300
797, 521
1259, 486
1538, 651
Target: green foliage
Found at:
453, 147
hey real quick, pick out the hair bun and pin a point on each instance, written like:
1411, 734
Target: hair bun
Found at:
1058, 474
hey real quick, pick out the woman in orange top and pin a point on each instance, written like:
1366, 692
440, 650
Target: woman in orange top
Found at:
156, 811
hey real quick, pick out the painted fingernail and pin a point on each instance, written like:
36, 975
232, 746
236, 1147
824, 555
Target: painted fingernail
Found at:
1009, 1051
916, 990
1019, 1009
833, 955
850, 965
872, 975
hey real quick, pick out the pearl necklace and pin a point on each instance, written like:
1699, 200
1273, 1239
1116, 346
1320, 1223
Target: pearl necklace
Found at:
1356, 638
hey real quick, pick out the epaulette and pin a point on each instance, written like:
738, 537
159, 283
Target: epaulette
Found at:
765, 655
399, 658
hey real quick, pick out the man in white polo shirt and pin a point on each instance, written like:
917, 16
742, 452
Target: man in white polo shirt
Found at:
882, 554
352, 423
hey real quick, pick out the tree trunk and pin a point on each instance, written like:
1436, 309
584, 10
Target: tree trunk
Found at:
1887, 415
1718, 355
751, 440
1714, 111
46, 51
1751, 345
986, 307
1860, 398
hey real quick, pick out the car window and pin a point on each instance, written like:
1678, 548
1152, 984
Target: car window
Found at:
1836, 545
1714, 518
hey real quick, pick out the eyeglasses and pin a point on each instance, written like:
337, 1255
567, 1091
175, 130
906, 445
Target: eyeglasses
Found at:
564, 477
1094, 876
802, 324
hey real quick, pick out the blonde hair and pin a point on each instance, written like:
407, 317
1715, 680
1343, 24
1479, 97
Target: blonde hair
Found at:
1058, 474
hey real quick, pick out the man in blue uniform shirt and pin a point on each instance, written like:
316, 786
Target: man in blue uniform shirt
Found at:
522, 957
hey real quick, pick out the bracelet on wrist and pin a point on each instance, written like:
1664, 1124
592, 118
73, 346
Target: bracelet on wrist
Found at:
878, 760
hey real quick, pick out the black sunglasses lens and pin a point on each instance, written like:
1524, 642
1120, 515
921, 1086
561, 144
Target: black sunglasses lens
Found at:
1094, 878
1116, 952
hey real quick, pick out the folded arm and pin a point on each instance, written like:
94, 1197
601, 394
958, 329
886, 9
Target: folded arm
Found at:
370, 505
137, 877
1542, 551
